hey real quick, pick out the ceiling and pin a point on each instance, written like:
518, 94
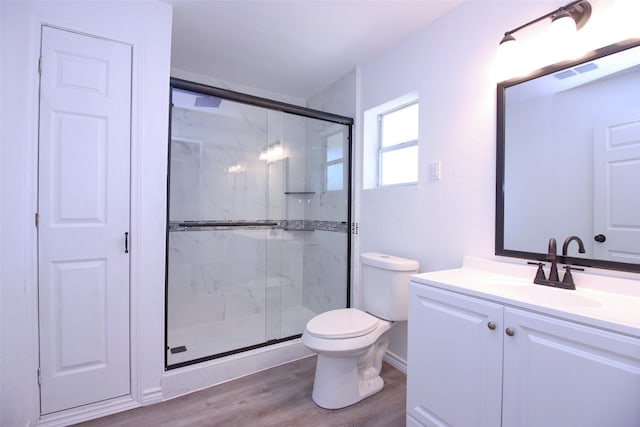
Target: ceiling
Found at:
292, 47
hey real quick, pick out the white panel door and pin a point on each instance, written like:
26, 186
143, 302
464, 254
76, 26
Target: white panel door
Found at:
616, 180
454, 359
83, 204
558, 373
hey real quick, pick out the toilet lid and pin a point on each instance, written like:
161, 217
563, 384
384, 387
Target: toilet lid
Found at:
342, 323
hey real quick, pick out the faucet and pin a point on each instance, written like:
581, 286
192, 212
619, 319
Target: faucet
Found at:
553, 279
568, 240
551, 256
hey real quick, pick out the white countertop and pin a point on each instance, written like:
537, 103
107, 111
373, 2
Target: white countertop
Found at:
610, 303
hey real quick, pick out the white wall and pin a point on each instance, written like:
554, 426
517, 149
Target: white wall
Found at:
147, 27
192, 76
451, 65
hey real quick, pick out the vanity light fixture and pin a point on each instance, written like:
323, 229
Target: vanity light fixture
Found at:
565, 21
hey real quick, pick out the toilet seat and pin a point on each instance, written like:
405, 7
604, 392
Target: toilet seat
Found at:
341, 324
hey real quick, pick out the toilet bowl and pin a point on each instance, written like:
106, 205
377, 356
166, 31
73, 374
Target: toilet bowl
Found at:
351, 343
350, 355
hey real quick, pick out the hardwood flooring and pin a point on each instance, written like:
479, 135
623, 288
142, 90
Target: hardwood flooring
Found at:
280, 396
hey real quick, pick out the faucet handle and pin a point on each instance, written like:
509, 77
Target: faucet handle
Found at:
568, 277
540, 272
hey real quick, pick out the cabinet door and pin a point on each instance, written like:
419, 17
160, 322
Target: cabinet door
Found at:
557, 373
454, 371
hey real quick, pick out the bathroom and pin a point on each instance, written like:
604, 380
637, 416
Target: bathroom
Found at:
449, 63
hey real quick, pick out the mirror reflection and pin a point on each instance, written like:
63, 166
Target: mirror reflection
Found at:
569, 160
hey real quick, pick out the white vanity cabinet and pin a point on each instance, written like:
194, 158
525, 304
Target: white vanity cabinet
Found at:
477, 362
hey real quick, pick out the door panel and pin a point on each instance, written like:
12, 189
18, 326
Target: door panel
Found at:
454, 371
558, 373
78, 188
83, 204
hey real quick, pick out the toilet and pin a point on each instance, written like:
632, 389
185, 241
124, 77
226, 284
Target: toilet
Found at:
351, 343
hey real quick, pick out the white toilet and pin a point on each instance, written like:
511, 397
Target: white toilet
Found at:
351, 343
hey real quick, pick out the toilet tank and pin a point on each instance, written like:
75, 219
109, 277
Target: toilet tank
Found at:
385, 284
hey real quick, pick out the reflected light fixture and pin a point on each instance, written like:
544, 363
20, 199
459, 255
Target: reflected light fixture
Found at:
272, 153
565, 21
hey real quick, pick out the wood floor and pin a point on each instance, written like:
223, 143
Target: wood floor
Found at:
280, 396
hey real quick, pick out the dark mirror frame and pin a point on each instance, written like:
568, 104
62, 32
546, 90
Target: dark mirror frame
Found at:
500, 250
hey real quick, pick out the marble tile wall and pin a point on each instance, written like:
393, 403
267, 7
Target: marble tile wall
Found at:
325, 267
211, 271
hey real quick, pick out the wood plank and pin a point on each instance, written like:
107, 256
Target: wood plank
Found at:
280, 396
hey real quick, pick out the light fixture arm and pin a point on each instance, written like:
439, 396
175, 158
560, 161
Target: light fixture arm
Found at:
580, 11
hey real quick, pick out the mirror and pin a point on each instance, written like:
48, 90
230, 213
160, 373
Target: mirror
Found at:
568, 160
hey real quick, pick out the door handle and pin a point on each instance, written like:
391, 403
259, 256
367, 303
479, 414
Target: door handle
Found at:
126, 242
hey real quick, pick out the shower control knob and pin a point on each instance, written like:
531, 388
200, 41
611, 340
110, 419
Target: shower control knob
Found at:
491, 325
510, 332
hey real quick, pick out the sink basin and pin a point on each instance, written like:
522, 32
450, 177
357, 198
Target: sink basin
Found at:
546, 295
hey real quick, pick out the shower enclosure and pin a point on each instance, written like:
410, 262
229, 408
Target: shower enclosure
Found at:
258, 230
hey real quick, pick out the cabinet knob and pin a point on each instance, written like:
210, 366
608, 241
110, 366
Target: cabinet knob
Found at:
510, 332
491, 325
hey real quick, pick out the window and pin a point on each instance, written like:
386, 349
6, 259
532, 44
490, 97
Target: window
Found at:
390, 143
398, 145
335, 161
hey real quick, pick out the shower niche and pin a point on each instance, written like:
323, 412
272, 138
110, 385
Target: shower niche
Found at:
258, 221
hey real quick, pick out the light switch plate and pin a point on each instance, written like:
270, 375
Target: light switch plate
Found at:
435, 170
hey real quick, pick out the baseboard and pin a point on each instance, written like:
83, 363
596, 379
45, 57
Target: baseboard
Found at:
396, 361
151, 396
88, 412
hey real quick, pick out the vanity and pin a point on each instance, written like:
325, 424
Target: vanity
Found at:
487, 347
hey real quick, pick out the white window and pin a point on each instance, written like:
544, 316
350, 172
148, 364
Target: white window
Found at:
335, 162
390, 150
398, 146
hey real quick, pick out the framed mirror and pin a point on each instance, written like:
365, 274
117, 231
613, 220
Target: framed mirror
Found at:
568, 160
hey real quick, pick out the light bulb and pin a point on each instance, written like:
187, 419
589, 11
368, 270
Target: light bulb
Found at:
510, 59
628, 13
562, 38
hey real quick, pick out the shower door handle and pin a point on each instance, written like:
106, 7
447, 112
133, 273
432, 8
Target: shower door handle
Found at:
126, 242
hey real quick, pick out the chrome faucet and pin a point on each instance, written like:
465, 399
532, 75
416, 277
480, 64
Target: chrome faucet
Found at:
570, 239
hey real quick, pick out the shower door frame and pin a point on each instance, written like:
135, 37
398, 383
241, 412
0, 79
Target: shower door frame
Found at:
284, 107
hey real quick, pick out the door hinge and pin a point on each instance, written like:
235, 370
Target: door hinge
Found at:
40, 65
37, 219
354, 228
39, 377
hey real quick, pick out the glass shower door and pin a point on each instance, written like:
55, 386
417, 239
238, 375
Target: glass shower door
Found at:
218, 227
257, 239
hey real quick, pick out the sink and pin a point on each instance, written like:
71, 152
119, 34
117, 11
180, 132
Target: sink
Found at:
545, 295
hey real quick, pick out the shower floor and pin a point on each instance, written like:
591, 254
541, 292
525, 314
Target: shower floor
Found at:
207, 339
